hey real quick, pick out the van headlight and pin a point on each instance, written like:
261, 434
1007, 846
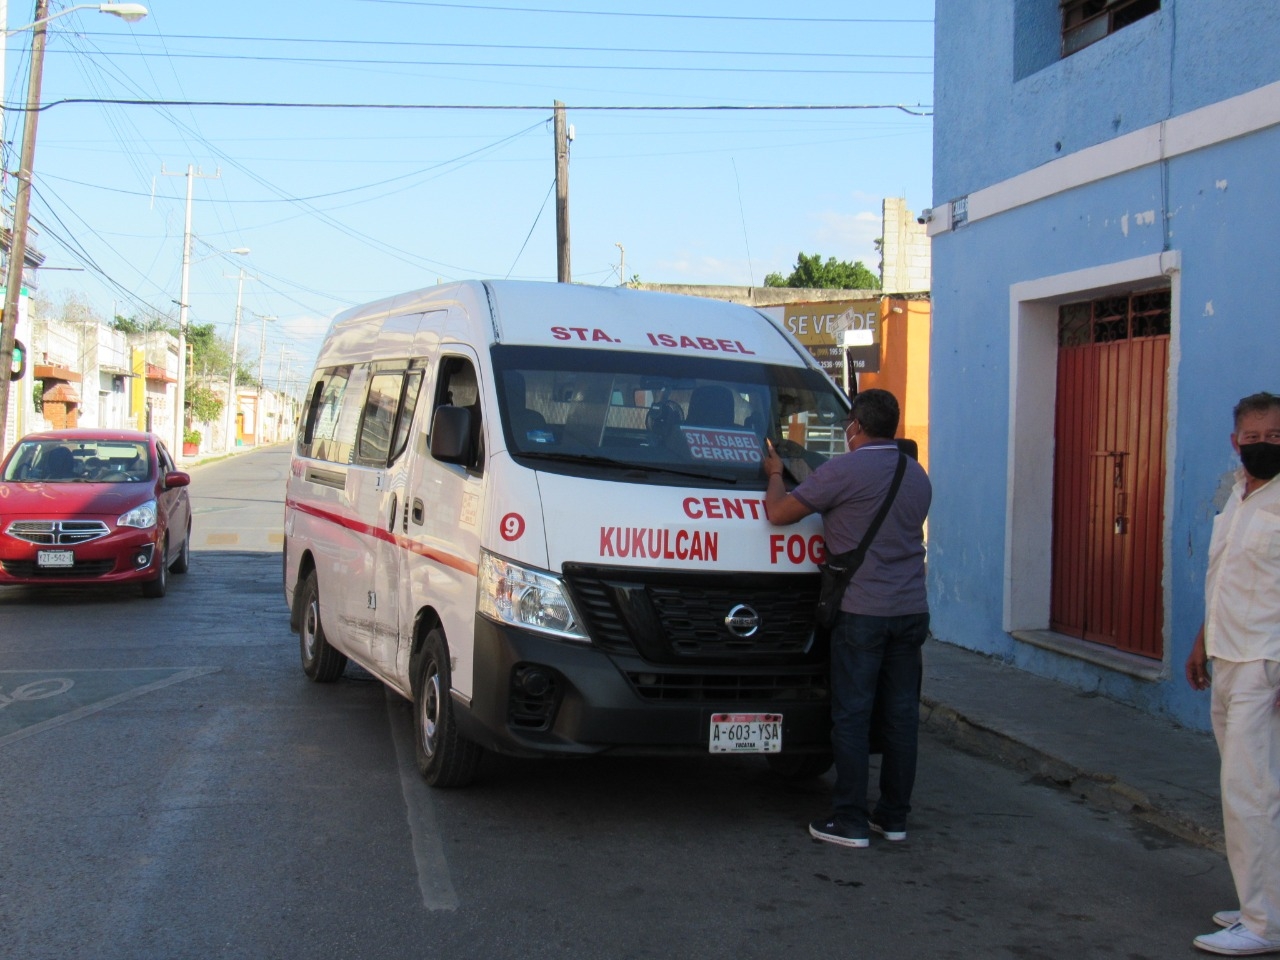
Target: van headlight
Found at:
510, 593
143, 516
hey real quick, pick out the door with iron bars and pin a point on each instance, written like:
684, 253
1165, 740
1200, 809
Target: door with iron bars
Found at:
1113, 357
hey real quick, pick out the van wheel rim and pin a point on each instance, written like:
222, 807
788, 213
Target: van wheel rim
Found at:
309, 630
429, 713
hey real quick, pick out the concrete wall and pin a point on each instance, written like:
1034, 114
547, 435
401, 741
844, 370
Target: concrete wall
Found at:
1147, 158
906, 264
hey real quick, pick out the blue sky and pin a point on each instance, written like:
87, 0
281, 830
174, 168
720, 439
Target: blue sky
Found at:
344, 205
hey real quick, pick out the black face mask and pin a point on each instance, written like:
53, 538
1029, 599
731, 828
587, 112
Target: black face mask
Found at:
1261, 460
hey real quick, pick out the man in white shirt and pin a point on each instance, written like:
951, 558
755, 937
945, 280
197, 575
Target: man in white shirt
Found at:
1241, 638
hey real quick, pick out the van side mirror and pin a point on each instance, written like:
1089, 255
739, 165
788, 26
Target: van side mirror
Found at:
451, 435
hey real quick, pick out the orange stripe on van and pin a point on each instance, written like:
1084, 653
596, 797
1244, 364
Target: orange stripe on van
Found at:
461, 564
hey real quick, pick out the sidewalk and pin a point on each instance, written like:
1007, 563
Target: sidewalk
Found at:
1095, 747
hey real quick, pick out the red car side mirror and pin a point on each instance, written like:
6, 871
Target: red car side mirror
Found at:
176, 479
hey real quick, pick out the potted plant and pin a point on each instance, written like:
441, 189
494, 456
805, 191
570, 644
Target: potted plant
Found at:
190, 442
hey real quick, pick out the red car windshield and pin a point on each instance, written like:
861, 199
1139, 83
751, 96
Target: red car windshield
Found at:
79, 461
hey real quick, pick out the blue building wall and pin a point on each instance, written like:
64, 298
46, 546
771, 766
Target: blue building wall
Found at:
996, 117
1006, 107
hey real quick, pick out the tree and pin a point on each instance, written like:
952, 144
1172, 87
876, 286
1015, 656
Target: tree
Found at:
203, 404
132, 325
835, 274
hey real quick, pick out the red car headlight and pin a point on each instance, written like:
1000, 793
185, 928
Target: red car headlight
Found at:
143, 516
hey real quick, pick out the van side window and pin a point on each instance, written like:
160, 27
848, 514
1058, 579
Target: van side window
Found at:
378, 421
404, 420
341, 447
309, 419
458, 386
322, 416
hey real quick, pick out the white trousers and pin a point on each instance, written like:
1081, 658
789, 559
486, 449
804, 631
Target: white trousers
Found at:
1246, 723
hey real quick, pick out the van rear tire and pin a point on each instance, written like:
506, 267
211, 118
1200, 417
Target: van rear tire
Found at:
444, 758
320, 662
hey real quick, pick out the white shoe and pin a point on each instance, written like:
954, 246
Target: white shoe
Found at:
894, 834
1236, 941
1226, 918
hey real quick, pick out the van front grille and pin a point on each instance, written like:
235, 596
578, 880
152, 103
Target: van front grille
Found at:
682, 618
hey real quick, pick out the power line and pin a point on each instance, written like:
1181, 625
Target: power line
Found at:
916, 110
549, 48
490, 65
531, 228
658, 16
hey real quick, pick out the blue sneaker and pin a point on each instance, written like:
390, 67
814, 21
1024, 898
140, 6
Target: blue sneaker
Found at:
831, 830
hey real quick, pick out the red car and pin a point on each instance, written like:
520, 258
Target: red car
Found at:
93, 506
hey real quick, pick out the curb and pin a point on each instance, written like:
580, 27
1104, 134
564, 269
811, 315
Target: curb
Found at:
1107, 790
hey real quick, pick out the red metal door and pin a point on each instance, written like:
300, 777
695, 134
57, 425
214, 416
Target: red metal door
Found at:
1109, 472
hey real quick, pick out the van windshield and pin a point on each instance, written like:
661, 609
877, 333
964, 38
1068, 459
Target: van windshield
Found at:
663, 419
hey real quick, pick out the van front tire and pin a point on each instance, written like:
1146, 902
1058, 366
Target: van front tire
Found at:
320, 662
444, 758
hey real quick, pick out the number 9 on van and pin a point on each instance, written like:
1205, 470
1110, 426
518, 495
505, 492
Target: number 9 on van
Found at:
510, 593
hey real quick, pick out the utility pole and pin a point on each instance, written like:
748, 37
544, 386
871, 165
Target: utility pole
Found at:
180, 396
257, 407
622, 265
280, 395
563, 136
21, 213
229, 418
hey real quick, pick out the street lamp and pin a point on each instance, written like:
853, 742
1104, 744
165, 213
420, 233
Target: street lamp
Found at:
130, 12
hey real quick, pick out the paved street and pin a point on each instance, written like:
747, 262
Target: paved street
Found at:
171, 786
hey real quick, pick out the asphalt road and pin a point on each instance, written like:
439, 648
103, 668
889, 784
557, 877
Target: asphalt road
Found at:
171, 786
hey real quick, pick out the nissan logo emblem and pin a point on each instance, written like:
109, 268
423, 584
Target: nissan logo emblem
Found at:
742, 621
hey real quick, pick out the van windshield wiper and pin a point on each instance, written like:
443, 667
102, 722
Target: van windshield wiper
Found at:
642, 469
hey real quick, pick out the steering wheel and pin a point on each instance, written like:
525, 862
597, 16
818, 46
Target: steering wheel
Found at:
663, 417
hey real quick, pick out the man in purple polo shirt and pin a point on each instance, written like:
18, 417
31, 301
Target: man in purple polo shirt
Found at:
884, 616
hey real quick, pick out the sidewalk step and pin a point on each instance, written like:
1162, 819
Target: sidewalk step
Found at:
1105, 751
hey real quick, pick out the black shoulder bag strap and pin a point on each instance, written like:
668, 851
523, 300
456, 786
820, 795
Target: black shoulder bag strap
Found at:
852, 560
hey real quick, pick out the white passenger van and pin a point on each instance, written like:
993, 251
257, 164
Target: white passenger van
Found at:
537, 511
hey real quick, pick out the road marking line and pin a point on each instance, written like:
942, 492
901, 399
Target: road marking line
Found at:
428, 852
103, 704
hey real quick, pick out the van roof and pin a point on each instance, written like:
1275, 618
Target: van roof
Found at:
569, 315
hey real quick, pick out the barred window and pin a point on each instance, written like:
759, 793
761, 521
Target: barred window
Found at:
1088, 21
1120, 317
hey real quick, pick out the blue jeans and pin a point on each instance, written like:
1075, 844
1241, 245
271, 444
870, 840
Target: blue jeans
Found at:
875, 672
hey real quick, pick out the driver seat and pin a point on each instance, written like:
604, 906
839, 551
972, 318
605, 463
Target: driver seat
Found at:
59, 464
711, 405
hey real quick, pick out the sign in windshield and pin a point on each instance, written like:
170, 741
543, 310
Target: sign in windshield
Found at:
685, 416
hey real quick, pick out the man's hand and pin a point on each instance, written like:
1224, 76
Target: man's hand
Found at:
772, 462
1198, 665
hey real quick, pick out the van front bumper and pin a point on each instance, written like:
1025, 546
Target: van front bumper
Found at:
546, 696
